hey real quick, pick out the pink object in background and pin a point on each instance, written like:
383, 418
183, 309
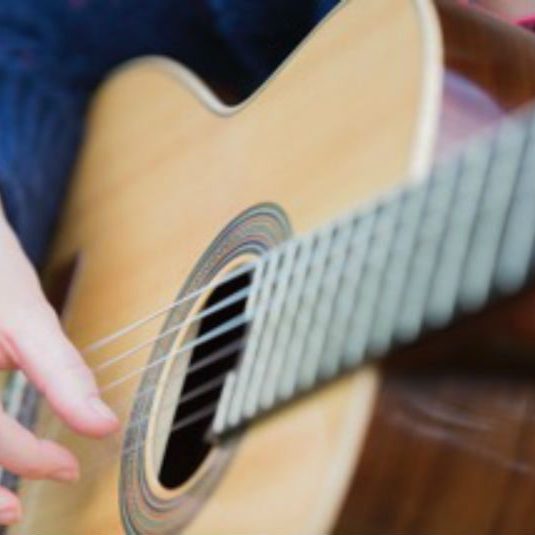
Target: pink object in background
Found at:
527, 21
521, 12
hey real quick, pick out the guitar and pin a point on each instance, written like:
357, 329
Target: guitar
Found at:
283, 256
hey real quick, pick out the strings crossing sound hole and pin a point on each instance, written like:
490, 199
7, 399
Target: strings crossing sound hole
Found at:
186, 447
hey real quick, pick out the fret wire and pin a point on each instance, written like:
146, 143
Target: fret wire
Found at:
323, 316
263, 355
440, 305
511, 145
247, 359
291, 314
308, 301
388, 307
259, 364
266, 394
427, 245
362, 235
516, 248
325, 254
375, 265
285, 390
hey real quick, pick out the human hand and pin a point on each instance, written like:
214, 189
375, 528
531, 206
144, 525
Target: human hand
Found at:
509, 9
32, 340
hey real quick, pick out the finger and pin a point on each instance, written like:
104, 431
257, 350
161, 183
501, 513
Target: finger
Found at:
10, 509
35, 341
53, 364
27, 456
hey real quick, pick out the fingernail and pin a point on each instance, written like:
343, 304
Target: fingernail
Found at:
100, 408
65, 475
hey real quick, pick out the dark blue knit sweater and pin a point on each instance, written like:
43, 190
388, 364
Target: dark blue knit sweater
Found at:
54, 52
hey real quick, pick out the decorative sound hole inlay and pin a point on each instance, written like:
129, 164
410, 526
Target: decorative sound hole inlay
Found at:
164, 484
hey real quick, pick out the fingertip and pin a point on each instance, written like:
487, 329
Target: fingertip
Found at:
60, 457
10, 508
102, 419
103, 413
91, 417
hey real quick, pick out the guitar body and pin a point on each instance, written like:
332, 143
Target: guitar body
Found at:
165, 168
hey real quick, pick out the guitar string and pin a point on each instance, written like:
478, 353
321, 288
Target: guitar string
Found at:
216, 356
223, 329
207, 312
182, 423
129, 328
221, 353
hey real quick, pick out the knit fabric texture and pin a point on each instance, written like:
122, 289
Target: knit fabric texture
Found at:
53, 53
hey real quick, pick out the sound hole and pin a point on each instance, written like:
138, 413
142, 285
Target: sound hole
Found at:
186, 447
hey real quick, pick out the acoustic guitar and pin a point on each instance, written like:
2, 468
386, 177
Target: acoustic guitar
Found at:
280, 278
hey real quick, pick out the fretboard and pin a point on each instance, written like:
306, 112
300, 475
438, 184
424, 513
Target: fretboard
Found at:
325, 303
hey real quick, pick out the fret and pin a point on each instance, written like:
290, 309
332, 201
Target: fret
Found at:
261, 359
345, 302
514, 259
487, 234
444, 285
413, 204
326, 299
247, 361
221, 418
411, 262
369, 288
291, 313
272, 324
302, 325
427, 245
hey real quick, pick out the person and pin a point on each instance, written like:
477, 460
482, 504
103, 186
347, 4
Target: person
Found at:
516, 11
52, 56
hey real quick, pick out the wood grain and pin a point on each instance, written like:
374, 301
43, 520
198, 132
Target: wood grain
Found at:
450, 448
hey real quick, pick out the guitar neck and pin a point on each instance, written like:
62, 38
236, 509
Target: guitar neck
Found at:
352, 291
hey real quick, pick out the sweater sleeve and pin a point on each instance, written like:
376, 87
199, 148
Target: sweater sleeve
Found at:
54, 53
40, 125
262, 33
